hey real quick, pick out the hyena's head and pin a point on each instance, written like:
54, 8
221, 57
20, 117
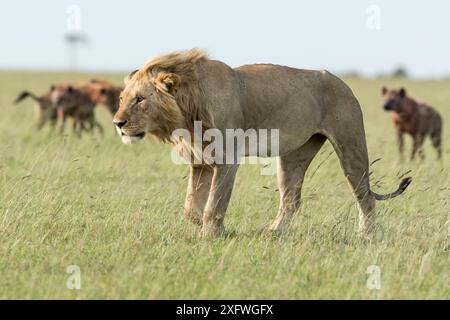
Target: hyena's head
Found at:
63, 95
105, 93
392, 99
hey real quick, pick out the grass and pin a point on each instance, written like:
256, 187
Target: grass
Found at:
116, 212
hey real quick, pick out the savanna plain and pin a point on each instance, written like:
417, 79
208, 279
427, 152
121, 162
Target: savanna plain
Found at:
116, 211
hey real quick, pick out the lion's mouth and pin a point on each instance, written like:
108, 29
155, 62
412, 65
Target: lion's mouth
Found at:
130, 139
140, 135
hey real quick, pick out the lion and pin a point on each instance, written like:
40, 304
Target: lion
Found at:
307, 107
45, 110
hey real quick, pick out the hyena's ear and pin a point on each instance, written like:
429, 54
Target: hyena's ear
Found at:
128, 77
52, 87
384, 90
167, 82
402, 92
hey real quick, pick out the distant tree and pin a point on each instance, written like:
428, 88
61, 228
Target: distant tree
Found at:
400, 72
73, 39
351, 74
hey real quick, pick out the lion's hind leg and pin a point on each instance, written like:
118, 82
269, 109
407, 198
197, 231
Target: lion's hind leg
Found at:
291, 172
351, 149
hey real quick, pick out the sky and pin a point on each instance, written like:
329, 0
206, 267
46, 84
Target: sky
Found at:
370, 37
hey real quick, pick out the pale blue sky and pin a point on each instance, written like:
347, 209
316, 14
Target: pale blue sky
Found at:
309, 34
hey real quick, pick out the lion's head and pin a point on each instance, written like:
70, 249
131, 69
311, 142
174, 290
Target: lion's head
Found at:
162, 96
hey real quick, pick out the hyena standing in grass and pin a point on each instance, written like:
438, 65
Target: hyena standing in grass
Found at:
415, 118
45, 110
105, 93
75, 100
72, 101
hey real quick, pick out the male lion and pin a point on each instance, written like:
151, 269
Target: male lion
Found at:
308, 107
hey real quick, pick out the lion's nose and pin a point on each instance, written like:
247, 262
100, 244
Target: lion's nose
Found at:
120, 123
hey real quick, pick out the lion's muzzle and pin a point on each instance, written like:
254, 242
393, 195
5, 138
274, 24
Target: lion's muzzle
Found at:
120, 123
131, 139
125, 136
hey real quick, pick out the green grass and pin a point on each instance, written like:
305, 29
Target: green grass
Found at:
116, 212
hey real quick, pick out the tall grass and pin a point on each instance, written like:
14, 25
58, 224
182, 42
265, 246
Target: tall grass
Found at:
116, 212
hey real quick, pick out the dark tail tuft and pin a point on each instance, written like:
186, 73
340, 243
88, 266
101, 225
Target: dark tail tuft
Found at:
401, 188
23, 95
404, 184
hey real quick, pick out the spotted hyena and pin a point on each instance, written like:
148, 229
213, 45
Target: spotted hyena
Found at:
414, 118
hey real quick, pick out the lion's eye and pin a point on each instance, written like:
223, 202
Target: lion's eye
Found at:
139, 99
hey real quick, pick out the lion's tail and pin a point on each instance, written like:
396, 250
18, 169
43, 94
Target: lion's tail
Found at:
402, 187
25, 94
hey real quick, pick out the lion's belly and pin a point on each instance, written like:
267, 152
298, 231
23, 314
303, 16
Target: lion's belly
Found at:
273, 142
291, 126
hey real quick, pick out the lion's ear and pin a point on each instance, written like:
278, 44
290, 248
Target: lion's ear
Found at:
128, 77
167, 82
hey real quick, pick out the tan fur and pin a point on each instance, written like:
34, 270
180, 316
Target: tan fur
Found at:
179, 70
307, 107
175, 86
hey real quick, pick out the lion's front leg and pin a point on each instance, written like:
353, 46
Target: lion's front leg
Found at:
200, 178
219, 197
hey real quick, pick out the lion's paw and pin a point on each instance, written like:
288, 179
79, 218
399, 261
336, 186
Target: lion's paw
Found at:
213, 231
